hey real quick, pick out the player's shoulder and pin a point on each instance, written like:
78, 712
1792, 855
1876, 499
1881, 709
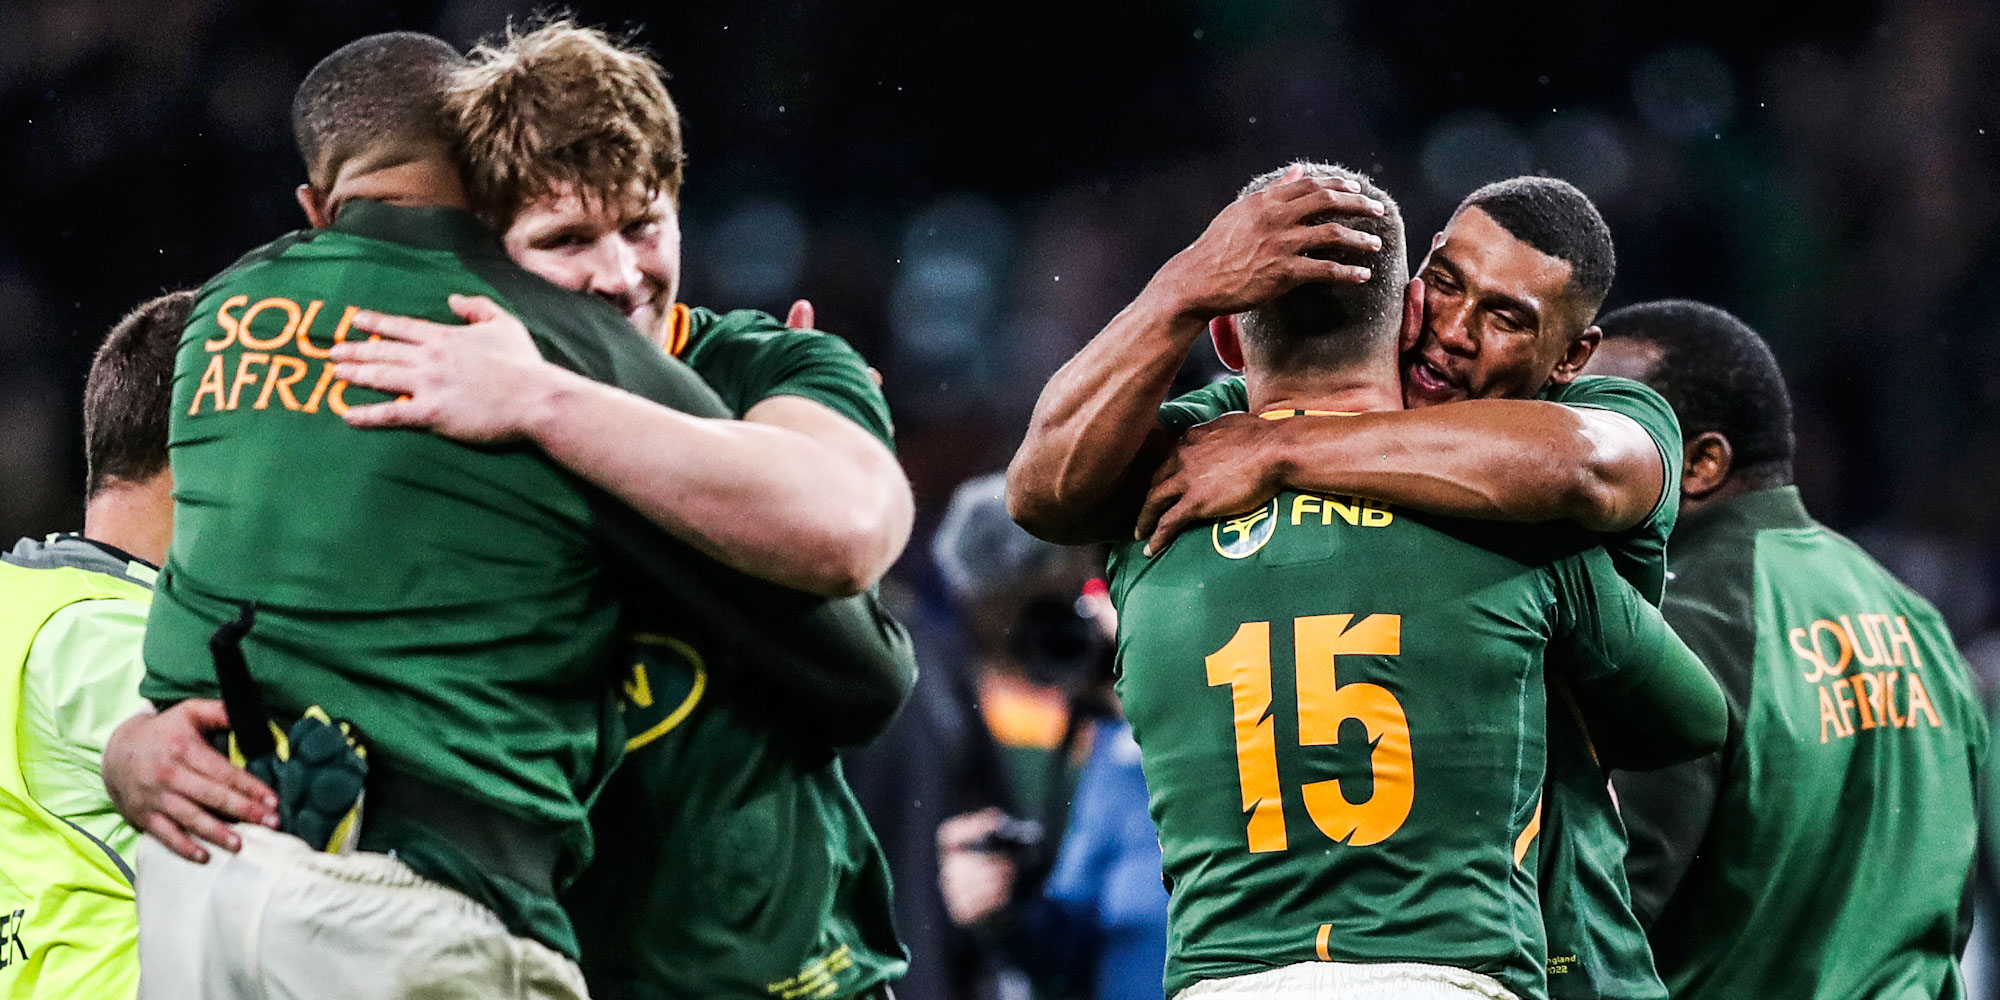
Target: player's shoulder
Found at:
754, 331
1612, 392
1225, 395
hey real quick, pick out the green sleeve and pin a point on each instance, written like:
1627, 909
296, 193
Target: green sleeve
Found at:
841, 667
1649, 699
81, 680
1228, 395
1650, 410
749, 356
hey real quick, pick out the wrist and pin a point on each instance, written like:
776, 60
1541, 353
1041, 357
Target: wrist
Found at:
1277, 454
546, 391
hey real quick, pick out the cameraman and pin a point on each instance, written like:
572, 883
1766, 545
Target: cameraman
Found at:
1097, 925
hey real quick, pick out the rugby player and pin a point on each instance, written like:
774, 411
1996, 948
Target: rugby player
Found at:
452, 603
733, 860
1825, 851
1510, 288
72, 621
1391, 861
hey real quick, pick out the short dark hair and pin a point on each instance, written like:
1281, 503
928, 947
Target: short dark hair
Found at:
130, 391
379, 97
1553, 216
1325, 326
1718, 375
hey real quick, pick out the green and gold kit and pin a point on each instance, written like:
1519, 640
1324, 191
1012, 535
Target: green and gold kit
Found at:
1840, 822
458, 603
732, 859
1597, 947
1341, 708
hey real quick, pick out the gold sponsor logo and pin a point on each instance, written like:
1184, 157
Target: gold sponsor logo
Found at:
1240, 537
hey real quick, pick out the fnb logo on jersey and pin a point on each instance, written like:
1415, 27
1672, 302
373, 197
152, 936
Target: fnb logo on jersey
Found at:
1866, 699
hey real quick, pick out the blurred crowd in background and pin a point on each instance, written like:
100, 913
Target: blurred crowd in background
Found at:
967, 192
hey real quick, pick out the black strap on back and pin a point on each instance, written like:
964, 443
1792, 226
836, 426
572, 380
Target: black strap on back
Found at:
249, 720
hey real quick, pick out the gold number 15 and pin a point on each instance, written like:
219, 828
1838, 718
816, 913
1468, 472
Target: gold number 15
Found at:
1245, 665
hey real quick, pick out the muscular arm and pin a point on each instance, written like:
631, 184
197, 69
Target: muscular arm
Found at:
794, 493
1095, 436
1498, 459
832, 509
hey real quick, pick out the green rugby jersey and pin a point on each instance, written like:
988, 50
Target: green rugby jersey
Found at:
732, 859
456, 602
1597, 947
1260, 660
1843, 826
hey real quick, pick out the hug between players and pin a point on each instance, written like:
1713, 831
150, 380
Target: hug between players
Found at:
457, 612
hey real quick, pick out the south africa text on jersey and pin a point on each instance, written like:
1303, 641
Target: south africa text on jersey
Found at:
282, 363
1864, 699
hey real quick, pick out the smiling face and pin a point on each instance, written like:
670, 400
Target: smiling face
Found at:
1499, 320
628, 254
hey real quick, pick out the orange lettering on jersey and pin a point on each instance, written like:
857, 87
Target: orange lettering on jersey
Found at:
1320, 941
1839, 634
1827, 716
1868, 654
285, 372
1807, 653
244, 376
1889, 699
1843, 695
1899, 640
1352, 515
1920, 701
1867, 695
227, 322
211, 383
336, 397
319, 389
339, 334
291, 311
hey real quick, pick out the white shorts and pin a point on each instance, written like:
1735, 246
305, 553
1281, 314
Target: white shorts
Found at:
1352, 981
281, 921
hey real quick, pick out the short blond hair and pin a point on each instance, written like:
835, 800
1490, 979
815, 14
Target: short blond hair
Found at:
562, 107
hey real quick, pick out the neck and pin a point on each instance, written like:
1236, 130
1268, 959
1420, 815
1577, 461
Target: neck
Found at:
137, 517
1735, 486
425, 182
1351, 390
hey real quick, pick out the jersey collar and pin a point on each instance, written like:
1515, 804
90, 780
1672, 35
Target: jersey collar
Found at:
680, 321
1283, 414
453, 230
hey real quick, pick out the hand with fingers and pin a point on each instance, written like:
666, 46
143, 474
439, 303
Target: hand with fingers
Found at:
474, 383
1220, 468
165, 779
1261, 246
976, 884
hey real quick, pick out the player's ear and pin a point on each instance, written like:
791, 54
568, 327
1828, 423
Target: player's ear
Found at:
1705, 464
313, 200
1228, 341
1412, 329
1577, 355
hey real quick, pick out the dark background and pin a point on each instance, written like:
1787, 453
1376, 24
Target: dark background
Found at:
969, 191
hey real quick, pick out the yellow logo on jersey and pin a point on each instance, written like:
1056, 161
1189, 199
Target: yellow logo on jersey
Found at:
1247, 533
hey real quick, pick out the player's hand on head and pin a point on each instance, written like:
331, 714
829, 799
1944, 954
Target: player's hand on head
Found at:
465, 382
1217, 469
976, 884
1257, 248
165, 779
